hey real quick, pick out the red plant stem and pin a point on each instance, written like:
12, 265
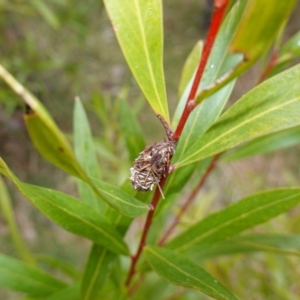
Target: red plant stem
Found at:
219, 10
190, 199
272, 63
135, 258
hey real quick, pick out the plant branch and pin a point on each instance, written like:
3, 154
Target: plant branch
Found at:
219, 10
190, 199
135, 258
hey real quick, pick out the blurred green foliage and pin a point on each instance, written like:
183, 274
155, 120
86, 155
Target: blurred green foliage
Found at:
60, 49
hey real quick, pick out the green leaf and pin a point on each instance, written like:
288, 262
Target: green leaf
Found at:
99, 259
46, 136
21, 277
96, 271
113, 196
219, 63
70, 292
7, 211
181, 270
265, 144
133, 134
98, 105
272, 106
120, 222
290, 50
59, 265
70, 214
121, 201
235, 218
190, 66
46, 12
83, 141
52, 145
86, 155
138, 27
268, 19
274, 243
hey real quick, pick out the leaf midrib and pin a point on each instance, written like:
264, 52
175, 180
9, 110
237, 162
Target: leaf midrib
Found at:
147, 54
233, 129
76, 217
216, 74
95, 275
183, 272
35, 281
224, 225
126, 202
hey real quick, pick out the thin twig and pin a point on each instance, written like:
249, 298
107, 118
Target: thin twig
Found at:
272, 63
134, 259
219, 10
190, 200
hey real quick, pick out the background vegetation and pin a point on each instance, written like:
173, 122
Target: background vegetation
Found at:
60, 50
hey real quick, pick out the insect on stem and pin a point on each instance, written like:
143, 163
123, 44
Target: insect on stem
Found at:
153, 162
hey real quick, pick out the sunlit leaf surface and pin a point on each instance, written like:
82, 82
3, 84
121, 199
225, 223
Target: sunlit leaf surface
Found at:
235, 218
138, 27
69, 213
181, 270
272, 106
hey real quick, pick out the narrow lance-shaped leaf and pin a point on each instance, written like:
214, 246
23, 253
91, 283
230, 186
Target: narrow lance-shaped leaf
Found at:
272, 106
219, 62
138, 27
21, 277
46, 136
133, 134
235, 218
180, 270
52, 144
288, 54
290, 50
60, 265
86, 155
96, 271
113, 196
267, 17
247, 244
70, 292
49, 144
121, 201
207, 112
7, 211
70, 214
266, 144
190, 66
99, 259
47, 12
